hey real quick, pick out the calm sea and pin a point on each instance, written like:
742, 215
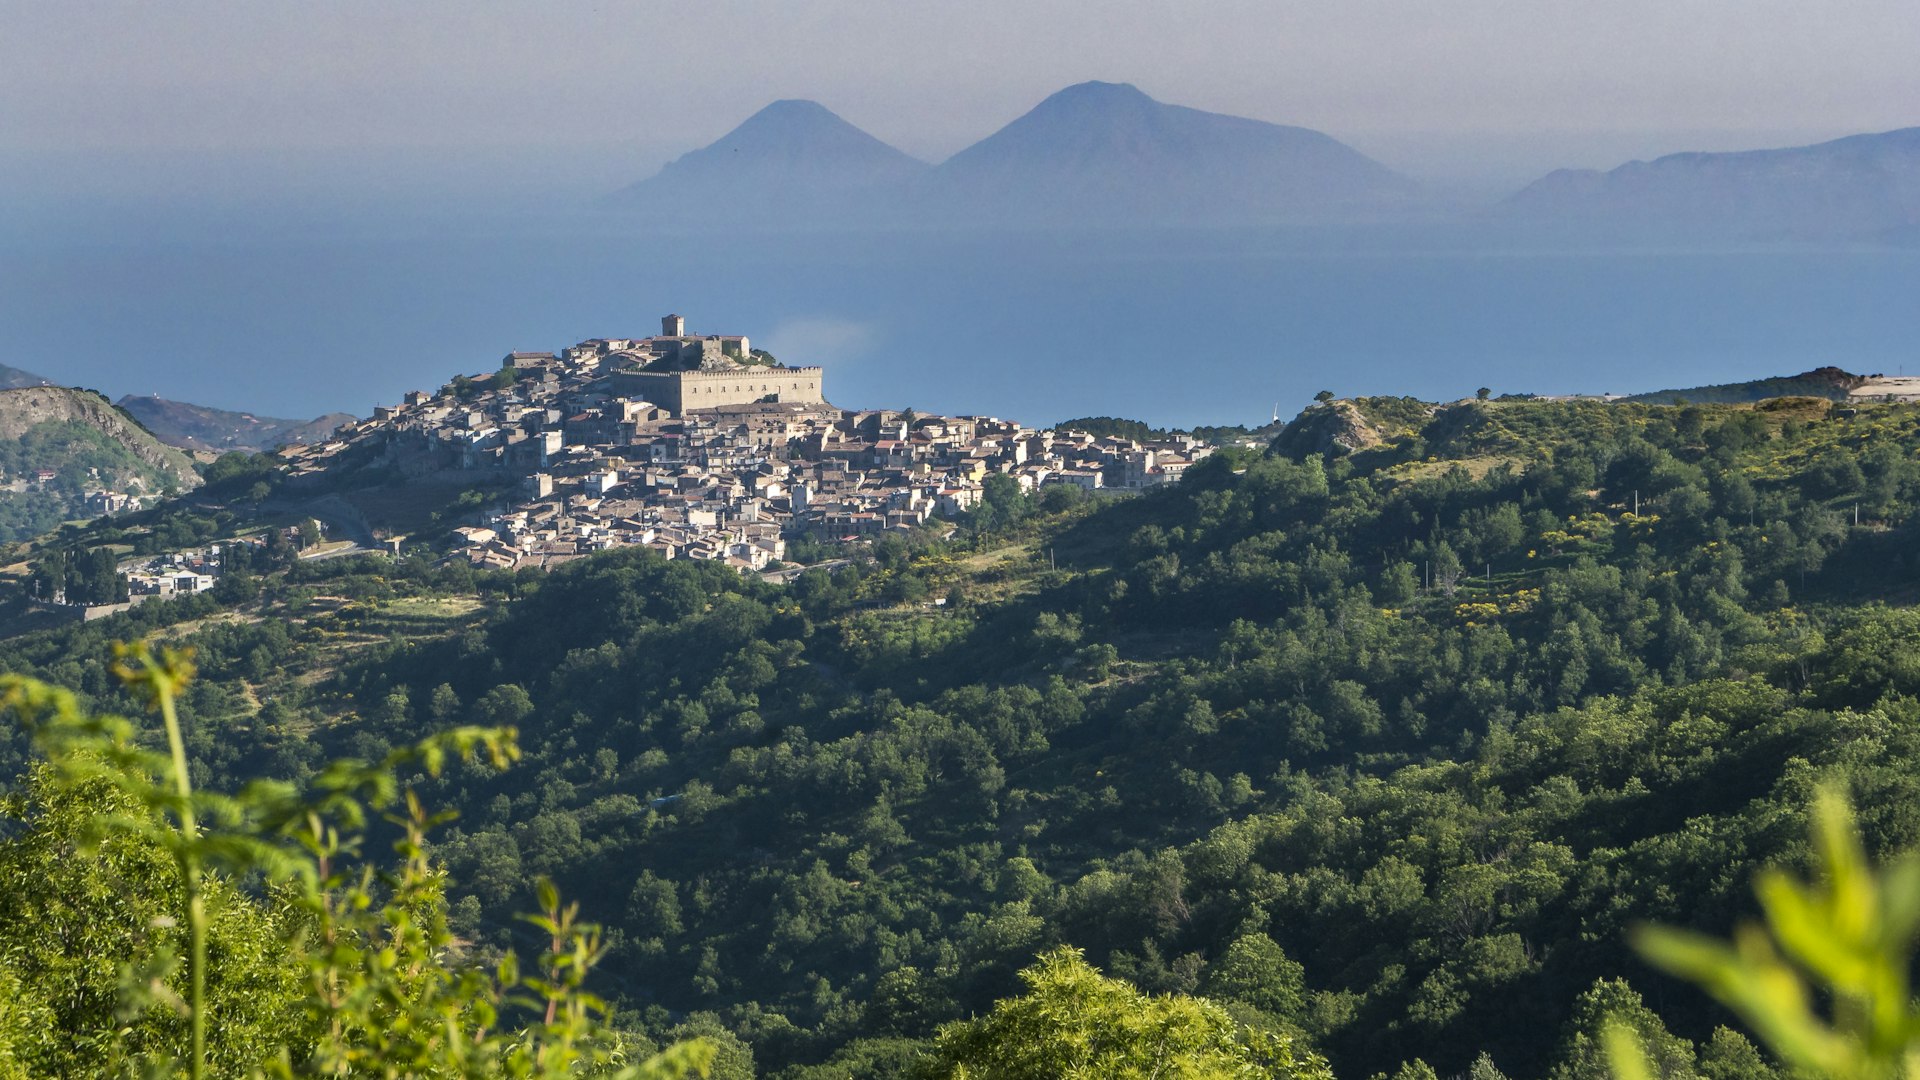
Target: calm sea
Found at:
1175, 328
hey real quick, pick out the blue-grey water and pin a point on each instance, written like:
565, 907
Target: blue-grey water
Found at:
295, 319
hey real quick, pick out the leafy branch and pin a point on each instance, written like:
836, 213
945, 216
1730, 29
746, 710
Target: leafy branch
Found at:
1846, 938
384, 996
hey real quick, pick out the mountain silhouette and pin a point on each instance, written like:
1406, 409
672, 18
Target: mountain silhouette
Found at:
1859, 186
1106, 152
1095, 153
791, 160
12, 378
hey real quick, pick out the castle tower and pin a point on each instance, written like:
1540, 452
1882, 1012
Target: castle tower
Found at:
673, 326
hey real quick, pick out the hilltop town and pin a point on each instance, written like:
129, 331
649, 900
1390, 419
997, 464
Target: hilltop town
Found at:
700, 446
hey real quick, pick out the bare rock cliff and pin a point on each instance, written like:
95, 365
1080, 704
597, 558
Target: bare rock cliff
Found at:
1338, 426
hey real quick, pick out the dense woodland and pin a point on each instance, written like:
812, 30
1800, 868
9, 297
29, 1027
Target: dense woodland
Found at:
1384, 747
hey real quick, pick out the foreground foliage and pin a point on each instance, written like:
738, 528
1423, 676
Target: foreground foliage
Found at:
1824, 977
1074, 1024
297, 959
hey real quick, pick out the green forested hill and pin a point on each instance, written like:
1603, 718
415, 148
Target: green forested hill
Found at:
85, 444
1385, 741
1826, 382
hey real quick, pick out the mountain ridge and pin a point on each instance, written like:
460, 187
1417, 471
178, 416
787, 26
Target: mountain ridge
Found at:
1832, 383
1863, 185
1098, 153
188, 426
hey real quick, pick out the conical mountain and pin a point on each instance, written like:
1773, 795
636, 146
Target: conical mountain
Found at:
1859, 186
1107, 153
793, 159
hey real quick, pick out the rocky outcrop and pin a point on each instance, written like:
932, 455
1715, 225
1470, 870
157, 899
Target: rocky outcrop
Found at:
23, 409
1338, 426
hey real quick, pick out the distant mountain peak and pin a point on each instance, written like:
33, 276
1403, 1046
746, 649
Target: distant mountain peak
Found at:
801, 119
1097, 91
792, 156
1108, 151
1096, 105
795, 109
793, 128
798, 107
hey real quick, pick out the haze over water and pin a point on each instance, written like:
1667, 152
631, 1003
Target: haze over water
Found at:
300, 209
295, 317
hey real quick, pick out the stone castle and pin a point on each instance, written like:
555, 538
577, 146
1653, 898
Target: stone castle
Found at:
685, 373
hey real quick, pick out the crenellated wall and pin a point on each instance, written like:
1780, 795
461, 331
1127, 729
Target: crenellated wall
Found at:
681, 391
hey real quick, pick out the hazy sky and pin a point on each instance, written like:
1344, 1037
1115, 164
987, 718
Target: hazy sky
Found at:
589, 92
